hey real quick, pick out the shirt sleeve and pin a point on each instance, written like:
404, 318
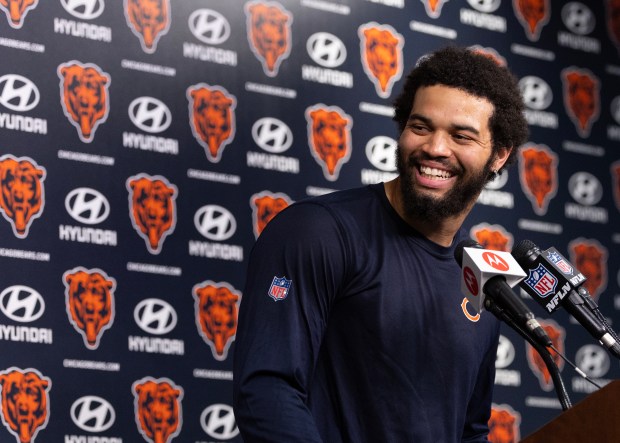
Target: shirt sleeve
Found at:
476, 428
278, 338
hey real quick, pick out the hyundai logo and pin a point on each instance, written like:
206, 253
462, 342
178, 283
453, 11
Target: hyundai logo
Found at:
209, 26
215, 222
381, 152
87, 206
150, 115
218, 421
84, 9
272, 135
578, 18
155, 316
486, 6
585, 188
536, 92
18, 93
22, 304
92, 414
326, 49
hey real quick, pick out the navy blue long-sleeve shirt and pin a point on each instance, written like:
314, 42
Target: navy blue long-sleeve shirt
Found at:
369, 343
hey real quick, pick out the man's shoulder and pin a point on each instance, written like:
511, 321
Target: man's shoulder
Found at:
347, 199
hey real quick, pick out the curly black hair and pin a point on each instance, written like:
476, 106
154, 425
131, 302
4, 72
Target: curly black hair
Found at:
476, 74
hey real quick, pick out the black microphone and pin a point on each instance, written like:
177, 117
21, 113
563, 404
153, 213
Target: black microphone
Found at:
553, 282
489, 270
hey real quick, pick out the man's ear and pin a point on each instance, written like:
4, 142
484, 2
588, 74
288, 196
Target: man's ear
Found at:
501, 156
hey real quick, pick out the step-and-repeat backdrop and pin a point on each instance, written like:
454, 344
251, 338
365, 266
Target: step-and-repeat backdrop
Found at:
144, 144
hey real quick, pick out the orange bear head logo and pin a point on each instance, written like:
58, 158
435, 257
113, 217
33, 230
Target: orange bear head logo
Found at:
152, 209
90, 302
590, 257
538, 175
16, 10
581, 98
492, 237
84, 96
21, 192
382, 56
329, 137
504, 425
265, 205
157, 408
556, 333
216, 306
269, 33
149, 20
25, 408
533, 15
613, 21
433, 7
212, 118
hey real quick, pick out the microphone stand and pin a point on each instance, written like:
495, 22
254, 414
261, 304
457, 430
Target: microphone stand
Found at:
544, 353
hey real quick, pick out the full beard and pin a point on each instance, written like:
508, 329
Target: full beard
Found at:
434, 209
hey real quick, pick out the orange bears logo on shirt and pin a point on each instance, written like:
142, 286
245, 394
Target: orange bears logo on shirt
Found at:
533, 16
382, 55
149, 20
538, 173
329, 137
581, 98
16, 10
152, 208
84, 96
557, 335
25, 406
504, 424
157, 409
216, 309
590, 258
494, 237
269, 33
22, 194
212, 118
265, 205
89, 300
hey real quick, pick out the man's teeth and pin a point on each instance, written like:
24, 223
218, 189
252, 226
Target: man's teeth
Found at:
434, 173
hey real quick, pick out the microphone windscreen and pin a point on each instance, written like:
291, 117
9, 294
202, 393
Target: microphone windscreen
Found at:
467, 243
522, 248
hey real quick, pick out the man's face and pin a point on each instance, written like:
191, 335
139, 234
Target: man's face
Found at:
445, 152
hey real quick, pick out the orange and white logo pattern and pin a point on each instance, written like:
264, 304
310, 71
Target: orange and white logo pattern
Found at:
212, 118
265, 206
84, 96
149, 20
269, 33
16, 10
25, 402
538, 173
89, 300
22, 194
157, 409
217, 308
329, 137
382, 55
152, 208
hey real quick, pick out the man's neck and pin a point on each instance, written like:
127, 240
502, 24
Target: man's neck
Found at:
441, 232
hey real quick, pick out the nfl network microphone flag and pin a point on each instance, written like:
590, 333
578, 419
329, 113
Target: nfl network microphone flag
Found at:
480, 265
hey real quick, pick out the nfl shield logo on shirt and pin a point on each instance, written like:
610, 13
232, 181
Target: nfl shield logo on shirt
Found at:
279, 288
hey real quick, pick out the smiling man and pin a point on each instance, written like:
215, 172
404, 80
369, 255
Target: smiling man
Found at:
351, 327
